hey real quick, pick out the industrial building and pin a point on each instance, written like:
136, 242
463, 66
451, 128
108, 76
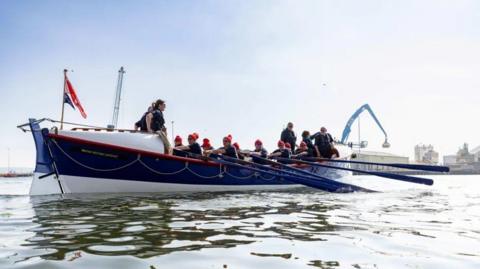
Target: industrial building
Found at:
465, 161
379, 157
425, 154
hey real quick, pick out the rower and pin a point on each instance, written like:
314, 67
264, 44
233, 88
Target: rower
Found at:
193, 146
323, 141
241, 156
280, 152
178, 141
334, 152
307, 139
259, 151
206, 144
289, 147
227, 149
302, 151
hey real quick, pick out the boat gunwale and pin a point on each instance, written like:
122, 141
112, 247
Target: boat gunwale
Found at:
131, 150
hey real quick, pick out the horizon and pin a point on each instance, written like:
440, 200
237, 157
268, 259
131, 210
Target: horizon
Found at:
247, 68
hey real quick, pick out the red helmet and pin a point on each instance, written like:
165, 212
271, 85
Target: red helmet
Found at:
258, 142
288, 146
281, 143
236, 145
178, 139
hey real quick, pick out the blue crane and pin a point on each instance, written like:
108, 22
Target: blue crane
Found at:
347, 130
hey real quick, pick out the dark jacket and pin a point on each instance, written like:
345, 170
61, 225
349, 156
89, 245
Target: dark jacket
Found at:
194, 148
142, 123
288, 136
158, 122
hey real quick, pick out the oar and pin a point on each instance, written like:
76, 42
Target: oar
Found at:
422, 167
294, 171
418, 180
339, 186
295, 179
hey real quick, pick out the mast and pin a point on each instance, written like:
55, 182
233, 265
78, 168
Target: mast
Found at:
116, 104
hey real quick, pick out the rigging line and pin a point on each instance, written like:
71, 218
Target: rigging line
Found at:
93, 168
163, 173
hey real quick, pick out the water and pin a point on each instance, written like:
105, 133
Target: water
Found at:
408, 226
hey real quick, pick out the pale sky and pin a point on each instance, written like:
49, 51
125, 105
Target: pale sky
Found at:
246, 68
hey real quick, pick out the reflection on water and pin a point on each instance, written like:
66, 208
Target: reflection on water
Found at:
406, 227
149, 225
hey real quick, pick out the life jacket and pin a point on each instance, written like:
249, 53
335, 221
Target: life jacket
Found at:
194, 148
231, 152
143, 122
158, 121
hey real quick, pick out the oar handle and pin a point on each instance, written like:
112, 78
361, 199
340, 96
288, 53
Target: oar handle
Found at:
406, 178
422, 167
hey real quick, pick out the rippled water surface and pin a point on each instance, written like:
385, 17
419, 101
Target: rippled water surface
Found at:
406, 226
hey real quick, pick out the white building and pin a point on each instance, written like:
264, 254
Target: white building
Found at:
379, 157
425, 154
449, 159
476, 153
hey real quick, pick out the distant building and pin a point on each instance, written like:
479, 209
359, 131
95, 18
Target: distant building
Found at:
379, 157
449, 159
476, 153
464, 156
425, 154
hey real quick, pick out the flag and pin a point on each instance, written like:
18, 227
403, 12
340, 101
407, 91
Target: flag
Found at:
66, 99
71, 91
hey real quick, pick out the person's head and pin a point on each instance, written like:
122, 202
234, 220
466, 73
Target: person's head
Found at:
227, 141
236, 146
206, 144
323, 130
160, 105
192, 138
258, 144
178, 141
289, 126
305, 134
303, 145
281, 144
288, 146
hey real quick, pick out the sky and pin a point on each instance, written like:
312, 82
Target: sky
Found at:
247, 68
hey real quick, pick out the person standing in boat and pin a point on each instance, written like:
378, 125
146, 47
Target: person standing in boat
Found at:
156, 123
192, 147
323, 143
259, 151
227, 149
281, 152
142, 123
288, 136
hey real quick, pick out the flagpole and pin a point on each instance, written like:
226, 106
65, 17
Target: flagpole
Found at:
63, 96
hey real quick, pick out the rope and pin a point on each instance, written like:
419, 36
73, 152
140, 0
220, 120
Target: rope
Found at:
186, 168
163, 173
245, 177
219, 175
93, 168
